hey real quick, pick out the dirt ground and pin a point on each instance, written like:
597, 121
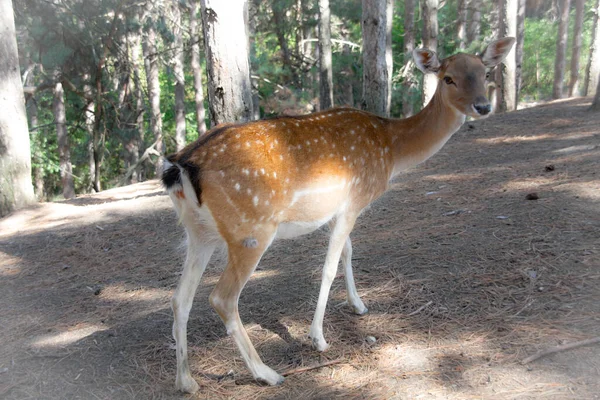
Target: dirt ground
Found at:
463, 275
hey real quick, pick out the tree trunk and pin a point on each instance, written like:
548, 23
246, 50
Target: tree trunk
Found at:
279, 18
461, 24
325, 63
90, 123
177, 61
151, 66
135, 121
38, 173
32, 113
430, 41
377, 74
64, 152
16, 190
409, 45
561, 49
506, 73
196, 70
593, 68
596, 103
474, 29
308, 51
252, 20
576, 51
519, 47
226, 44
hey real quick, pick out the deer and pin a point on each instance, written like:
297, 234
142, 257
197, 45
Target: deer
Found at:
242, 186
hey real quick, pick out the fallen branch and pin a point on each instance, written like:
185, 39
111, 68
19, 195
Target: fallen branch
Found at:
418, 310
564, 347
304, 369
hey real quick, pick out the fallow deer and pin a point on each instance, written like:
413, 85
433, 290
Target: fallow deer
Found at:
248, 184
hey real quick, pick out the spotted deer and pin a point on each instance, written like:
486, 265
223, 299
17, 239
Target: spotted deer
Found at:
244, 185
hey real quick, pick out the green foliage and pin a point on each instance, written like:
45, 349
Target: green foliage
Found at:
70, 37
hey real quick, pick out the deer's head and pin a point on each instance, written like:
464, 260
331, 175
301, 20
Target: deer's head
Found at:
462, 77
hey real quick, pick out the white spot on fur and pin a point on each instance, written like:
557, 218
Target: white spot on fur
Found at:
255, 200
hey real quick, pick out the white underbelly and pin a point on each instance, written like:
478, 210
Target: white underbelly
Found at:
289, 230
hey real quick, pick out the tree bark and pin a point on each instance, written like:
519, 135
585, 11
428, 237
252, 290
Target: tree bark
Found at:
561, 49
430, 41
519, 47
64, 152
16, 190
474, 29
408, 83
596, 102
90, 123
325, 63
178, 71
226, 44
593, 67
279, 18
377, 68
506, 73
151, 67
196, 70
576, 50
461, 24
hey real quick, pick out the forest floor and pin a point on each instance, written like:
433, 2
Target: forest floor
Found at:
464, 277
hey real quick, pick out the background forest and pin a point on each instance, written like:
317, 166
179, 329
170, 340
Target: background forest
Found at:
110, 85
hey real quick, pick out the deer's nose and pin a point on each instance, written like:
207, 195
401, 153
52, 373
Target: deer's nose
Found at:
483, 109
482, 105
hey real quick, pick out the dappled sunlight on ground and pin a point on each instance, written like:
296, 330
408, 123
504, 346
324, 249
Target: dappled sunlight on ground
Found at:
86, 209
70, 336
463, 275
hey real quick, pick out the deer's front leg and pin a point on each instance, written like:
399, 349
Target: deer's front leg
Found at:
341, 228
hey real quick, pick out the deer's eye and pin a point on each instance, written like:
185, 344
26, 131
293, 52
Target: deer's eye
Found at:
448, 80
487, 75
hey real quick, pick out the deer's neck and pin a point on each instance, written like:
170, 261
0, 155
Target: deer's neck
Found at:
419, 137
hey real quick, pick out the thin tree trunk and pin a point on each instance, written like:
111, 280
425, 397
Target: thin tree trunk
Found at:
430, 41
506, 75
88, 112
178, 61
409, 45
325, 63
596, 103
279, 14
138, 93
64, 152
308, 51
593, 68
461, 24
32, 113
576, 51
474, 29
519, 48
16, 190
226, 44
561, 49
252, 17
376, 28
38, 173
196, 70
151, 66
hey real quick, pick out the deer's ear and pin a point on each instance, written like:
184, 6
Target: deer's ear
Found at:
427, 61
497, 51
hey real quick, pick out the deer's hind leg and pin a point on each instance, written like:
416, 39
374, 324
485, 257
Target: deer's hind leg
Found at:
200, 248
244, 255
